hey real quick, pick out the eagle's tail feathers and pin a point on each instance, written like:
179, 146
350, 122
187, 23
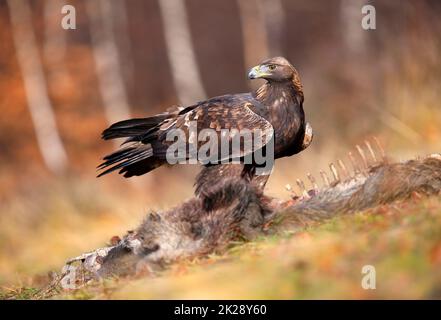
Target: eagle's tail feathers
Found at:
133, 127
127, 159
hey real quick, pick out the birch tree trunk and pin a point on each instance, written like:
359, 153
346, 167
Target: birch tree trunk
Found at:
107, 60
274, 22
40, 107
254, 34
54, 49
123, 40
180, 52
354, 36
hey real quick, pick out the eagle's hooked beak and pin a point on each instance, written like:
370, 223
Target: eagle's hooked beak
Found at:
258, 72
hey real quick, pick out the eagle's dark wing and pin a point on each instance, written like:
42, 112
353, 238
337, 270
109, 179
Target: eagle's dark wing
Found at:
150, 147
229, 118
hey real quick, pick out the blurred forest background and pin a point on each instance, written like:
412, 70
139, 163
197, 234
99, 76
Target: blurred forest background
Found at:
129, 58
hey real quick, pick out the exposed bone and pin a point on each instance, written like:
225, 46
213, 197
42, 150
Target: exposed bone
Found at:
302, 188
363, 156
334, 172
294, 194
371, 151
324, 178
313, 181
353, 163
342, 166
380, 147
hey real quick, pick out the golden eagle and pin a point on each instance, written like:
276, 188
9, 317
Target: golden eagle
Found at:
275, 109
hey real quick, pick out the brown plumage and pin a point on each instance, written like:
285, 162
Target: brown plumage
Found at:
276, 109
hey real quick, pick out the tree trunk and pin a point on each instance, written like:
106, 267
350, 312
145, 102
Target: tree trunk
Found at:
54, 49
107, 61
254, 34
354, 37
180, 52
274, 22
123, 40
40, 107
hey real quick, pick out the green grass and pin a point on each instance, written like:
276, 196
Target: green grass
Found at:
19, 293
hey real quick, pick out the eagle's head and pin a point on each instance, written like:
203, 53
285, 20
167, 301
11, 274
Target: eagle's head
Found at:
275, 69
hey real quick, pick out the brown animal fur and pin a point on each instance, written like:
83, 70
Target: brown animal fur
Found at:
236, 209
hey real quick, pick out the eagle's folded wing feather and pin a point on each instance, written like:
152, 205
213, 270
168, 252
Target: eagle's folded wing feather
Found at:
236, 125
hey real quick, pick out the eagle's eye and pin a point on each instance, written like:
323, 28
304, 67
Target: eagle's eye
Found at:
272, 67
